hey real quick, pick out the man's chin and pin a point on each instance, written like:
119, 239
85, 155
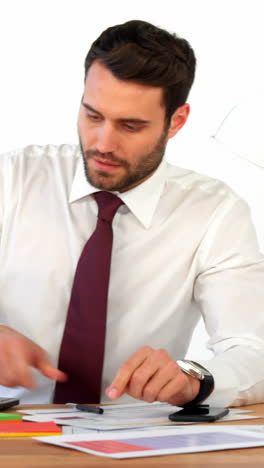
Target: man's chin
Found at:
102, 182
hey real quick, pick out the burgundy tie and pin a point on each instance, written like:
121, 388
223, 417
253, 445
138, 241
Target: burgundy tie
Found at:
82, 349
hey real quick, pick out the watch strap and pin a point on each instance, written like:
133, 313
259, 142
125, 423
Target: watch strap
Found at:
206, 386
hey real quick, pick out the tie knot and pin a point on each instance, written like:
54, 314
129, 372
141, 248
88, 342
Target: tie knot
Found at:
108, 203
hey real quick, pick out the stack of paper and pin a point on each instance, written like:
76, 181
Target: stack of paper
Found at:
7, 417
29, 429
117, 417
143, 429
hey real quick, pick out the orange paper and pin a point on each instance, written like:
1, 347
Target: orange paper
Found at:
29, 429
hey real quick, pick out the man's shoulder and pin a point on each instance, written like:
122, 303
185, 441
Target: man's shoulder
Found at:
34, 159
37, 152
190, 180
37, 166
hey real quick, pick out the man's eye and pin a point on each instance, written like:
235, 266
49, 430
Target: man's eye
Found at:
93, 117
132, 128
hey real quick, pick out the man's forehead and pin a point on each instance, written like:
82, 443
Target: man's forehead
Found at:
121, 99
104, 90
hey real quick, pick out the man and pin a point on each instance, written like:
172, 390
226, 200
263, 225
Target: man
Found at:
183, 243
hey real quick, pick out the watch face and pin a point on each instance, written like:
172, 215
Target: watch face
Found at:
200, 368
194, 369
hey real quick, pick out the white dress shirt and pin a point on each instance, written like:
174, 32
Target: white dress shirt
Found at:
184, 245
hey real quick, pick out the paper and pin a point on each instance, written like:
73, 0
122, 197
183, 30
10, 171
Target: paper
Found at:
153, 443
7, 417
28, 429
116, 417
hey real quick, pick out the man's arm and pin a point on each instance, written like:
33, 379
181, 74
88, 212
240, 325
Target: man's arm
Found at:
18, 354
230, 293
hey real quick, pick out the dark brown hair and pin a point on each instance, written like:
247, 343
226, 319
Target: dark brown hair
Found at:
141, 52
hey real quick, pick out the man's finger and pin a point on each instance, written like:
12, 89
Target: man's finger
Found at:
51, 372
125, 372
147, 374
43, 364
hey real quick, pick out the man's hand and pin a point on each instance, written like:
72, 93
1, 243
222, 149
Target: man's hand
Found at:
18, 355
152, 375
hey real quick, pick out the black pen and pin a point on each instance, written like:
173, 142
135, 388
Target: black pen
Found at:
90, 409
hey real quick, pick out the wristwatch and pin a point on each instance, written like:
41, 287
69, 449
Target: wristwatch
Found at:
198, 372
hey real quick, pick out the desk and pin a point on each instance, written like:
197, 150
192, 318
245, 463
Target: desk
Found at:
28, 453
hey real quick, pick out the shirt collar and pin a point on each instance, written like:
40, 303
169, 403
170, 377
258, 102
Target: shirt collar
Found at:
141, 200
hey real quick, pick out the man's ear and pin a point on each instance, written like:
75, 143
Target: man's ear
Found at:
178, 119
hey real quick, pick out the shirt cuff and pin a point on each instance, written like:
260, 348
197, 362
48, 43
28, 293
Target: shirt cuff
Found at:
226, 384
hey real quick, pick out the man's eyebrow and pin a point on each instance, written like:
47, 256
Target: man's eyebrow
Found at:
90, 108
133, 120
127, 119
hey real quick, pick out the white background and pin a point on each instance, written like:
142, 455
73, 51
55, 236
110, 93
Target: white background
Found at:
43, 44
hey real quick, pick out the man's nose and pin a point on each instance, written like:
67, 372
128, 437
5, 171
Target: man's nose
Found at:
106, 139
